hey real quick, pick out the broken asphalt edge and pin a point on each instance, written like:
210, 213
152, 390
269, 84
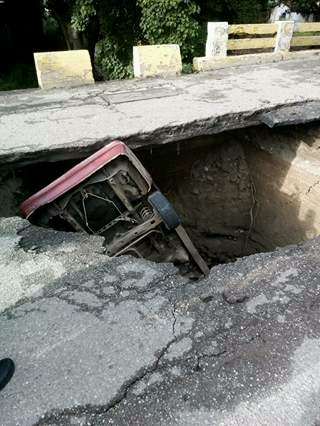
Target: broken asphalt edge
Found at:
279, 115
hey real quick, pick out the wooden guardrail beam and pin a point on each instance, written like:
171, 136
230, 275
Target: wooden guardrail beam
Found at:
303, 41
305, 27
253, 29
251, 43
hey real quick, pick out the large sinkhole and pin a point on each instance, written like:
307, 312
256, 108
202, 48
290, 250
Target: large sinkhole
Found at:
237, 193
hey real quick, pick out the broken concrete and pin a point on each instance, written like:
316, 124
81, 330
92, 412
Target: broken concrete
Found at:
38, 126
125, 341
128, 342
237, 193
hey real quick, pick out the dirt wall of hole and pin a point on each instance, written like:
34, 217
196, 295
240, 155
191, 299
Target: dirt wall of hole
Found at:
210, 187
10, 193
19, 182
285, 168
246, 191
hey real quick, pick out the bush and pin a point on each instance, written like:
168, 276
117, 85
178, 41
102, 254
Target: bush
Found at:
234, 11
305, 7
19, 76
171, 21
113, 61
248, 11
119, 31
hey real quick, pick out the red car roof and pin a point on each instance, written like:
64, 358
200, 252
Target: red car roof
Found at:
79, 173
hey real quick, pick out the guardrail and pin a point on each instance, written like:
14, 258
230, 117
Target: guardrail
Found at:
300, 37
245, 40
253, 30
73, 68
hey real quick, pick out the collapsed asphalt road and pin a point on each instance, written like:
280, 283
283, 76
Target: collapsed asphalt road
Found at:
39, 125
129, 342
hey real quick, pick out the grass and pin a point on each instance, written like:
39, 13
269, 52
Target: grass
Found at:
306, 33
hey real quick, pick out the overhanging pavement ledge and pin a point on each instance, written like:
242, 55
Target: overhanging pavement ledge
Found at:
48, 126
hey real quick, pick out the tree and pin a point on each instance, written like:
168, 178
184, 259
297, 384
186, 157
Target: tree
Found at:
107, 28
119, 30
77, 21
234, 11
20, 33
305, 7
171, 21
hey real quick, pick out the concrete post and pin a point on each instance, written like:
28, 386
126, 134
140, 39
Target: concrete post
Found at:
284, 36
217, 40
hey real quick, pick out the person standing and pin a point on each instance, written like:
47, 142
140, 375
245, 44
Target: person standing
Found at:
6, 371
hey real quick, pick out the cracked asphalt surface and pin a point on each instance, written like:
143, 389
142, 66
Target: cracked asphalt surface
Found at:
39, 125
130, 342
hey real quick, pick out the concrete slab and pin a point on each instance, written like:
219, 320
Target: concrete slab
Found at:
39, 126
128, 342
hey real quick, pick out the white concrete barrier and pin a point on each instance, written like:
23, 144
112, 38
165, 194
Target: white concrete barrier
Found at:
217, 40
284, 36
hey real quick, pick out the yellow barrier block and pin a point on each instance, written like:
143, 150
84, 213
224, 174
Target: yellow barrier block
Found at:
63, 69
157, 60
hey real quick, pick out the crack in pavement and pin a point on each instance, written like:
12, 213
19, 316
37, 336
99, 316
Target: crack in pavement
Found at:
122, 394
171, 350
312, 187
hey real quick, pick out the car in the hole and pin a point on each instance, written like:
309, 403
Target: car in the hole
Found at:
112, 195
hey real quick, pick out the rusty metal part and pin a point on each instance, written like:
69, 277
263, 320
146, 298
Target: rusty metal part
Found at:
135, 233
130, 247
184, 237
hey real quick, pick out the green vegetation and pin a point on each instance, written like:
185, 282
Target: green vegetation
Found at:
305, 7
236, 11
178, 23
109, 29
21, 76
